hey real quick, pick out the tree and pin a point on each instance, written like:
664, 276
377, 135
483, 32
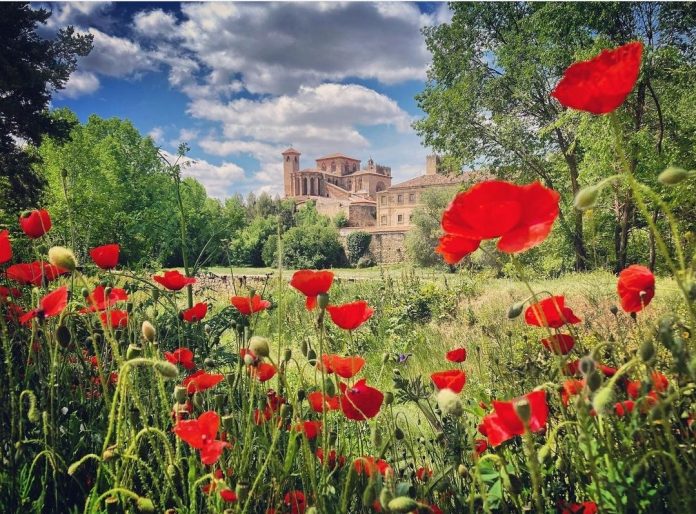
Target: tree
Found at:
357, 244
31, 69
422, 239
494, 67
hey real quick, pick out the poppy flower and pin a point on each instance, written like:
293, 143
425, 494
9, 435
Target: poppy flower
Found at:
263, 371
200, 434
273, 403
624, 408
195, 313
504, 423
601, 84
570, 388
98, 300
424, 473
369, 465
318, 401
361, 401
560, 344
550, 312
310, 429
34, 273
5, 246
201, 380
248, 306
296, 502
579, 508
573, 368
345, 367
106, 256
350, 316
480, 446
334, 458
182, 356
659, 381
35, 223
521, 216
50, 305
456, 355
636, 288
114, 318
9, 292
311, 284
453, 379
173, 280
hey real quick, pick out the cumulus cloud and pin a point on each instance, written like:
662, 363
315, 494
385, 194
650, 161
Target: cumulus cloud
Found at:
115, 56
217, 179
155, 23
80, 83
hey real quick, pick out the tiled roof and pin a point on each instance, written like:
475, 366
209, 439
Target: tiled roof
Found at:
438, 179
337, 156
291, 150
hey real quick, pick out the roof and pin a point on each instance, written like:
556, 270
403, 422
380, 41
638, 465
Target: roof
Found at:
438, 179
290, 150
337, 156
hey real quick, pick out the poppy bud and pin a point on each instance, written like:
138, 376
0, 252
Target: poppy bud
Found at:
398, 434
287, 355
149, 332
285, 410
385, 496
587, 365
209, 363
449, 403
402, 504
647, 350
673, 175
523, 410
586, 198
304, 348
515, 310
145, 505
166, 369
462, 471
85, 292
388, 398
614, 310
323, 300
180, 394
62, 257
63, 336
259, 345
133, 352
301, 395
603, 399
197, 400
312, 356
594, 380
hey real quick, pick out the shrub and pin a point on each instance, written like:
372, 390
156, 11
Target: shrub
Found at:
357, 244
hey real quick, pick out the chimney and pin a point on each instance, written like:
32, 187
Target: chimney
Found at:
431, 163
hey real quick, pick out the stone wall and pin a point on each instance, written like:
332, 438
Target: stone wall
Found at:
361, 215
386, 246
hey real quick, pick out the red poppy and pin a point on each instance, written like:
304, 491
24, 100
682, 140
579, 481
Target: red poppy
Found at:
504, 423
312, 283
580, 508
5, 246
550, 312
369, 465
521, 216
34, 273
50, 305
480, 446
262, 371
309, 428
35, 223
350, 316
195, 313
573, 368
334, 458
7, 292
560, 344
173, 280
228, 495
570, 388
636, 288
361, 401
296, 501
345, 367
14, 312
601, 85
273, 403
453, 379
200, 434
659, 381
248, 306
456, 355
424, 473
106, 256
318, 401
99, 302
182, 356
624, 408
201, 380
114, 318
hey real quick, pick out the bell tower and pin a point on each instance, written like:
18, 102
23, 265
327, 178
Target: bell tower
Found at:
291, 165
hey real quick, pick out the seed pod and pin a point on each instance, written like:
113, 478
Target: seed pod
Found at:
229, 378
594, 380
388, 398
323, 300
376, 436
515, 310
304, 348
312, 356
166, 369
63, 336
398, 434
287, 354
587, 365
614, 310
228, 423
586, 198
402, 504
85, 292
209, 363
301, 395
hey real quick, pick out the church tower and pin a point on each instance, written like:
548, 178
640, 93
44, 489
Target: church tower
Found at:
291, 165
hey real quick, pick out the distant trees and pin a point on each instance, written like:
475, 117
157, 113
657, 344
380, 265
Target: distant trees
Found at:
422, 239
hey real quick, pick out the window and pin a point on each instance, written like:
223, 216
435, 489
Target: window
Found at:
412, 197
400, 219
399, 199
384, 220
383, 200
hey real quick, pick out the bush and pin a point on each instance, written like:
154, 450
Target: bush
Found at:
365, 262
307, 246
357, 244
246, 249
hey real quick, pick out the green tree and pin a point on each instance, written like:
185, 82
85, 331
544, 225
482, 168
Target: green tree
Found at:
422, 239
247, 245
357, 244
31, 69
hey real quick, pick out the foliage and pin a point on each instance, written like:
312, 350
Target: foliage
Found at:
312, 246
341, 220
247, 246
423, 238
31, 69
357, 244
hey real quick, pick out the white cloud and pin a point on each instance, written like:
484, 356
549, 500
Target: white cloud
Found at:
216, 179
157, 134
115, 56
80, 83
78, 14
155, 23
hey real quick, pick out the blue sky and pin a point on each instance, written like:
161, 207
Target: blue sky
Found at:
239, 82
